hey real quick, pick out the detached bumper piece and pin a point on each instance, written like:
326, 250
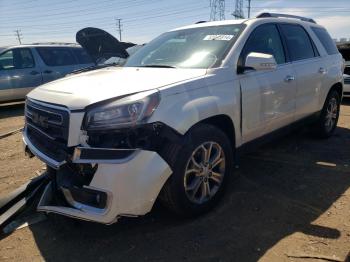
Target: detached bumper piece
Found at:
21, 198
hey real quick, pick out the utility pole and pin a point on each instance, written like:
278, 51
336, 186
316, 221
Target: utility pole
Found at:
119, 27
217, 10
249, 8
238, 13
18, 35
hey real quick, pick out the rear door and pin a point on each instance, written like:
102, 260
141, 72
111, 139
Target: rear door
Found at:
19, 74
82, 57
309, 68
57, 62
268, 97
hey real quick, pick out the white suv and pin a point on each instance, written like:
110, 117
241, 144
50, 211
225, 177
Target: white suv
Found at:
170, 123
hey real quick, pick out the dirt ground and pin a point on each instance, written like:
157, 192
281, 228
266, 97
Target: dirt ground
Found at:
291, 202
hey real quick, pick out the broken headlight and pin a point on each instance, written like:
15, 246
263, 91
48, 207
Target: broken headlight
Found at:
124, 112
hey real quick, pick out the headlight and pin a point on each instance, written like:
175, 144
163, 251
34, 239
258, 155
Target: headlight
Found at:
124, 112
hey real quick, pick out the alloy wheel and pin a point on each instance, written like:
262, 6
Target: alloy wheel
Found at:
204, 172
331, 114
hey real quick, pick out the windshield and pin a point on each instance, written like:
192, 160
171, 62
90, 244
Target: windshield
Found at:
201, 47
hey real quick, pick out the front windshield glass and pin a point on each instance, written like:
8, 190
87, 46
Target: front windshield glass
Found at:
201, 47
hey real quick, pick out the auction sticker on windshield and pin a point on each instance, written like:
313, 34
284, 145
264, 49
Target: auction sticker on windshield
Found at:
218, 37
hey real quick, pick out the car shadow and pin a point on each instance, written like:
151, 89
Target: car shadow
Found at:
279, 190
11, 110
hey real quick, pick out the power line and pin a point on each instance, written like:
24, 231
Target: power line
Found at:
18, 35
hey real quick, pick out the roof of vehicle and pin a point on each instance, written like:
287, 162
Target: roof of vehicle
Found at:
267, 17
42, 45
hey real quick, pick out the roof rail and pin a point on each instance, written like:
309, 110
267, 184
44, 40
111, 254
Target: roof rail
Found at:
263, 15
53, 43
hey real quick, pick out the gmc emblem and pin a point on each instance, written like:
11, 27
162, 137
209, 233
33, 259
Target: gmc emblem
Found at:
40, 120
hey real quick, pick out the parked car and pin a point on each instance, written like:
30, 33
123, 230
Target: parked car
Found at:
25, 67
172, 121
345, 51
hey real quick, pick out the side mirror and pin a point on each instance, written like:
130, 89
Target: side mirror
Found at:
260, 61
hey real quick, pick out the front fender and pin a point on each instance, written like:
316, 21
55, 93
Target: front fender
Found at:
182, 110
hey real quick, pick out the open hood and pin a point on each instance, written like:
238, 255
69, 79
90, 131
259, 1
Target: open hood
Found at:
101, 45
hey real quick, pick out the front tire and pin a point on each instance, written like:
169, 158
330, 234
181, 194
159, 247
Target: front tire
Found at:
328, 119
201, 170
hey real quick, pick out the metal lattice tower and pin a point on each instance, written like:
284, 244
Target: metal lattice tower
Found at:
238, 13
217, 10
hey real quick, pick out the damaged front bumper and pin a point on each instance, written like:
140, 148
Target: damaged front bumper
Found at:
122, 182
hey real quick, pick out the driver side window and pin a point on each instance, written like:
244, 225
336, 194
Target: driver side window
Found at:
265, 39
6, 60
20, 58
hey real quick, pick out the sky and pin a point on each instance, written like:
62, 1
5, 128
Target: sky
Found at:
142, 20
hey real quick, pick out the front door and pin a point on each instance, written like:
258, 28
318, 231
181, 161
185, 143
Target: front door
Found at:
19, 74
268, 97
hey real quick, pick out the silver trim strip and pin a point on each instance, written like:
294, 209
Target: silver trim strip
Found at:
48, 105
86, 208
77, 154
49, 161
47, 111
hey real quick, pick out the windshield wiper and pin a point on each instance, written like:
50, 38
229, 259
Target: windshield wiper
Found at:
160, 66
90, 68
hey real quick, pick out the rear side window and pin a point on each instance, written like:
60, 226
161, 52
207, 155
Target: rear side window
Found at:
56, 56
298, 41
265, 39
82, 56
19, 58
326, 40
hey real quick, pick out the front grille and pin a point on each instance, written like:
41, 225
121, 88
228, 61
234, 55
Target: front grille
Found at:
47, 129
347, 80
52, 123
54, 150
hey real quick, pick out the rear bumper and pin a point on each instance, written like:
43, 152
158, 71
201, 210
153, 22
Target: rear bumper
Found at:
131, 184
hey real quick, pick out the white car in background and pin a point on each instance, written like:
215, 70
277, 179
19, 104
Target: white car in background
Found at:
344, 49
171, 122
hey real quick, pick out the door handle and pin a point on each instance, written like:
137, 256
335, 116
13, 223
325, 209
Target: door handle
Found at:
34, 73
47, 71
289, 78
322, 70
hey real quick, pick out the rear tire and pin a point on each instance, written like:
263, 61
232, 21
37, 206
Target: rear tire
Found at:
328, 119
201, 170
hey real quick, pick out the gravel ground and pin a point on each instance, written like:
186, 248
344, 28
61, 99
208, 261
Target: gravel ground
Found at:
291, 202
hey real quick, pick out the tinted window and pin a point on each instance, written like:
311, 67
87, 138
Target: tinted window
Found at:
56, 56
23, 58
6, 60
17, 59
265, 39
82, 56
326, 40
298, 42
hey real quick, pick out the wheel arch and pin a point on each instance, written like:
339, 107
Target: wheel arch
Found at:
222, 122
337, 87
